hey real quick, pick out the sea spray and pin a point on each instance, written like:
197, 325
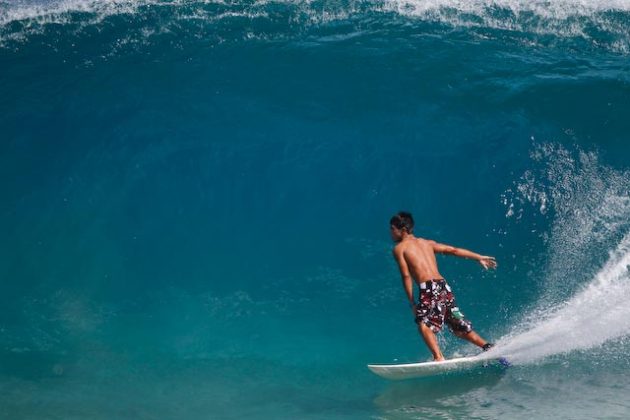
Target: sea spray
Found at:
595, 315
580, 306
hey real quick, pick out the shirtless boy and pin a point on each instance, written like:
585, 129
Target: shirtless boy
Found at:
416, 260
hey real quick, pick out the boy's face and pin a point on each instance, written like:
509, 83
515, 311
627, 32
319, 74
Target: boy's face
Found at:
395, 233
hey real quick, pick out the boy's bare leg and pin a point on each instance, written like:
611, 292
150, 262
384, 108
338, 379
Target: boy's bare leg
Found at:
431, 341
472, 336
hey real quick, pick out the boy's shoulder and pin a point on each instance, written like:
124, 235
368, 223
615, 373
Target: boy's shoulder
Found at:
425, 241
399, 248
424, 244
402, 245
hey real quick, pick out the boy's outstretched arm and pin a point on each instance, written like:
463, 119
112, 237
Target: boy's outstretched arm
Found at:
485, 261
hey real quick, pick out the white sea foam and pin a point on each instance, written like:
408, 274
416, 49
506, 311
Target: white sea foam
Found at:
603, 24
55, 11
556, 9
563, 18
546, 16
595, 315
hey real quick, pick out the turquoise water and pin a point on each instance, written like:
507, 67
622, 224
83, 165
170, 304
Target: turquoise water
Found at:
196, 196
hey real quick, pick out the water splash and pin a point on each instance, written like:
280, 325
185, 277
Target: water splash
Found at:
594, 316
590, 206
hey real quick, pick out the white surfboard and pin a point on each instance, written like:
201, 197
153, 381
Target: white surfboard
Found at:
418, 370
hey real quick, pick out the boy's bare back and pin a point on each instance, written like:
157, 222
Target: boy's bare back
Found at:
419, 256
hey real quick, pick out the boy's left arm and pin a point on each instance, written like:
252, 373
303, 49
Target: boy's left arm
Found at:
406, 278
486, 262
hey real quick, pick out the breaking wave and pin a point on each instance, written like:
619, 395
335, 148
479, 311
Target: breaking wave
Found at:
598, 23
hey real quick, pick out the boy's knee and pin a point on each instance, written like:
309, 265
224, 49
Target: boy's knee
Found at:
461, 334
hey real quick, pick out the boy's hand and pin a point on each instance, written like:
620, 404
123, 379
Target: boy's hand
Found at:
487, 262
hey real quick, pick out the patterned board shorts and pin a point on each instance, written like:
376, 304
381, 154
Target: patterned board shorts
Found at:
437, 305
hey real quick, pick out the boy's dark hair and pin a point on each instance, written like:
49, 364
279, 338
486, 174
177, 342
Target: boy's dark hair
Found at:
402, 220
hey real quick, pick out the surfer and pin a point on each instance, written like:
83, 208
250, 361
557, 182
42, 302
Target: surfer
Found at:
436, 304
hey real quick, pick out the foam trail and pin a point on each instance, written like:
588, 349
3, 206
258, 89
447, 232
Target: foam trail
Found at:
597, 314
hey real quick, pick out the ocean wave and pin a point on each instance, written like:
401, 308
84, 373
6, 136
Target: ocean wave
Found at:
604, 22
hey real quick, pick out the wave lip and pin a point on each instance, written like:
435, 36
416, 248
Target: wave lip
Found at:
552, 9
40, 12
600, 21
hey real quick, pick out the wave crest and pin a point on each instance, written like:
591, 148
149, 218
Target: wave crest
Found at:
601, 23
